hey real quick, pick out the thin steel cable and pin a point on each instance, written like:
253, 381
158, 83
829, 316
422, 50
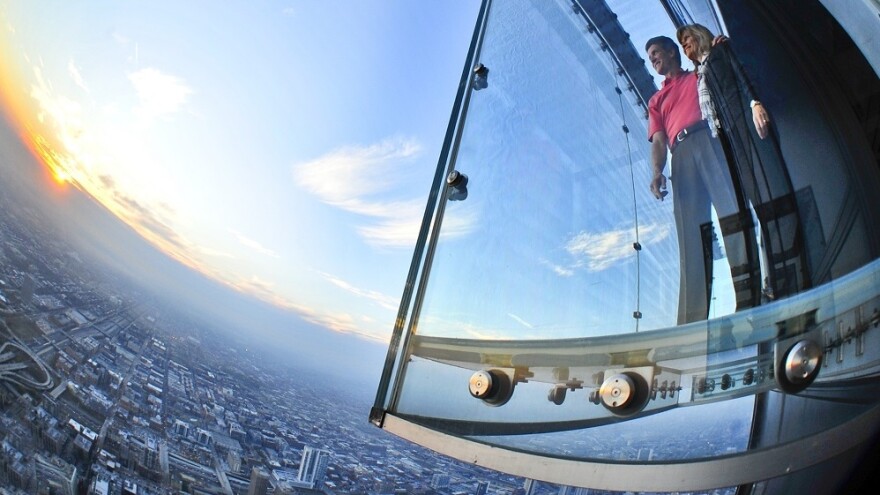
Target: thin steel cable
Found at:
632, 177
616, 68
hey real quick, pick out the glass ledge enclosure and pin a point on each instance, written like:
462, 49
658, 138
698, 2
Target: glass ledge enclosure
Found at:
644, 255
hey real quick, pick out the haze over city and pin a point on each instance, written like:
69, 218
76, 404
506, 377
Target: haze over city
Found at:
283, 149
208, 214
279, 153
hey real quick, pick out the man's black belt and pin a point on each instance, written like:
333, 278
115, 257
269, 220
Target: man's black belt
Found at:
687, 131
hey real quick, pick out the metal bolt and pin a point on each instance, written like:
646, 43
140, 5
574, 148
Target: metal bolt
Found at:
802, 361
617, 391
480, 384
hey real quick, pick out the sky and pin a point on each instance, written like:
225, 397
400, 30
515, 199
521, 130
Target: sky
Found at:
286, 149
282, 148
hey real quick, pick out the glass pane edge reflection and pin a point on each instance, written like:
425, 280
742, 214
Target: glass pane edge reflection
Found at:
689, 475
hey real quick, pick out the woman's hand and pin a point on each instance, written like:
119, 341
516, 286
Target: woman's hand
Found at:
761, 119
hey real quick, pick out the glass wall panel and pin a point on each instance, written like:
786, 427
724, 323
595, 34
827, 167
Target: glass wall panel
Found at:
565, 311
542, 247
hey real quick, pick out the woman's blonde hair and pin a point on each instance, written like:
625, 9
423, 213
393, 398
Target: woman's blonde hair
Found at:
700, 34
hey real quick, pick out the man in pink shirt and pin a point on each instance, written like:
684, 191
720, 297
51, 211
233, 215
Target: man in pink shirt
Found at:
700, 178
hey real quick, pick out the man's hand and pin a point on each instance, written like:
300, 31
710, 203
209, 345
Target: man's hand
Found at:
658, 163
761, 119
658, 186
719, 39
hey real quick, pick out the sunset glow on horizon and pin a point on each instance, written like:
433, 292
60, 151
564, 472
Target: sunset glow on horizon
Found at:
49, 158
225, 145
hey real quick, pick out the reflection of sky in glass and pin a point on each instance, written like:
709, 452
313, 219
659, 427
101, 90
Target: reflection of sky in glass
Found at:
542, 250
679, 433
693, 424
685, 433
545, 238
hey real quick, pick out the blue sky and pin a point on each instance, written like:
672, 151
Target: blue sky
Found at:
284, 148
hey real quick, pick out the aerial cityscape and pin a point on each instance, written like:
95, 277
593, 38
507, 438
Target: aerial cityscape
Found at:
387, 247
107, 389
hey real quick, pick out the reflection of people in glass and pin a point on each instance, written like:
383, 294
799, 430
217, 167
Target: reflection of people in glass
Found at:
733, 112
700, 178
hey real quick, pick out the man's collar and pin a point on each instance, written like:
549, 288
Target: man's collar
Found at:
681, 73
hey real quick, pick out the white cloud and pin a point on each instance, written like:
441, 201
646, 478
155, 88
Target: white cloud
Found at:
159, 93
120, 38
382, 300
353, 172
467, 329
215, 253
559, 270
520, 320
360, 179
64, 116
387, 209
254, 245
82, 157
402, 230
338, 321
398, 232
602, 250
76, 76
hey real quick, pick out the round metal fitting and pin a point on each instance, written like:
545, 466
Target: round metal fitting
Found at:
480, 384
710, 385
727, 382
705, 385
617, 391
802, 362
748, 376
453, 178
557, 395
493, 386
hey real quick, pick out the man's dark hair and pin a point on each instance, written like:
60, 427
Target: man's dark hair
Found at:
666, 44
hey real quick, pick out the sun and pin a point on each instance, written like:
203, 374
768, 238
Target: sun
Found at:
22, 117
53, 160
